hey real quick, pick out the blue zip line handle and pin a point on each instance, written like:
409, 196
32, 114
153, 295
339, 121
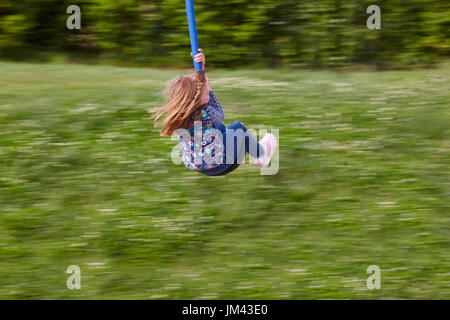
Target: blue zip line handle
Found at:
193, 33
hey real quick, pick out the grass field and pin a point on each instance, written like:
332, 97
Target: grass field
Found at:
86, 180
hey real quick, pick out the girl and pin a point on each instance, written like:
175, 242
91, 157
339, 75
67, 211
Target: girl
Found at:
192, 105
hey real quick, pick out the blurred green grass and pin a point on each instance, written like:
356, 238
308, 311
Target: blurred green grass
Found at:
87, 180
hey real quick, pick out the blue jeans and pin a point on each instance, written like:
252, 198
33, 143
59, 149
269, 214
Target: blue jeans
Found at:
243, 143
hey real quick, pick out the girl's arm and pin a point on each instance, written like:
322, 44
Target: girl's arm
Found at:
214, 108
207, 84
200, 57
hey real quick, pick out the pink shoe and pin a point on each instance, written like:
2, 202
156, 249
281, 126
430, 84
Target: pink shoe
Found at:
269, 143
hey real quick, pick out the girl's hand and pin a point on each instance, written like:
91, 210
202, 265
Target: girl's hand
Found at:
200, 57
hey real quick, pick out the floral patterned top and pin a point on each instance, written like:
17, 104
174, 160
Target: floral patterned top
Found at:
202, 157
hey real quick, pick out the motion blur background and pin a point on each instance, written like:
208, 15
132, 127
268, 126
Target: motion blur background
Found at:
364, 169
328, 33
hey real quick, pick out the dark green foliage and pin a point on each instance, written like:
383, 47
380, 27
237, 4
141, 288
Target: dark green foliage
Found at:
322, 33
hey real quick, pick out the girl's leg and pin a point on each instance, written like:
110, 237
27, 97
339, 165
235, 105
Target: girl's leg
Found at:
225, 167
244, 142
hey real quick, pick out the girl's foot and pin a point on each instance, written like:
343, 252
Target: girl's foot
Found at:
269, 143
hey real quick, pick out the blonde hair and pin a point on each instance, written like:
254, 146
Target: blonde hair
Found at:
182, 98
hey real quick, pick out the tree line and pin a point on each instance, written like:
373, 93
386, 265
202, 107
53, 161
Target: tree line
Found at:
260, 33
